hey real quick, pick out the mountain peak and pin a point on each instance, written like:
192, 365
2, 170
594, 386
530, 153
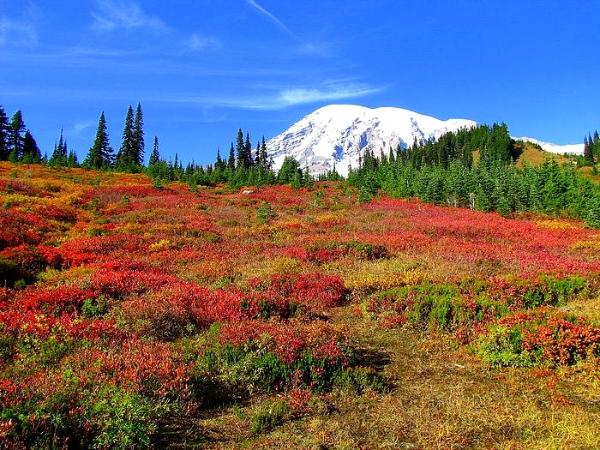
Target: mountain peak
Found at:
339, 134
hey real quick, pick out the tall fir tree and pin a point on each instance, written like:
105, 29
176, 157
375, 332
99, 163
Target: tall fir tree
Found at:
240, 148
72, 159
248, 160
126, 155
220, 164
231, 159
16, 136
138, 137
31, 151
100, 155
3, 135
256, 157
264, 157
155, 155
59, 155
588, 152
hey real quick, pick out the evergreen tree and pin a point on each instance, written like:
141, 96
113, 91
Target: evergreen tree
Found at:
31, 151
248, 160
72, 159
138, 137
126, 155
240, 148
264, 157
16, 136
220, 164
3, 135
155, 155
59, 155
100, 154
231, 159
588, 153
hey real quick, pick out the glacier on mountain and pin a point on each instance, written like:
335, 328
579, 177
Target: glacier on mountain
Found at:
338, 134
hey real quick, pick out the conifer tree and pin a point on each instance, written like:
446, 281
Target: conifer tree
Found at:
126, 154
264, 157
59, 155
248, 160
220, 164
155, 155
72, 159
231, 159
16, 136
138, 137
256, 158
100, 154
31, 151
240, 148
3, 135
588, 154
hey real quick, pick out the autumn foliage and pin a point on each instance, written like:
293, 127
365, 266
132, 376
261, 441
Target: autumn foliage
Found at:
121, 298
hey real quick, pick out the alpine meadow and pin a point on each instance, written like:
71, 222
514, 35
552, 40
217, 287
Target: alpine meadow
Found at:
217, 233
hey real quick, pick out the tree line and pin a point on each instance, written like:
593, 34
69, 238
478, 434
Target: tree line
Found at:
16, 141
243, 165
591, 149
475, 168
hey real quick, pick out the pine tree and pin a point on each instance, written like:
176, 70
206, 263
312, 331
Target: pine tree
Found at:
220, 164
155, 155
256, 157
126, 154
3, 135
16, 136
248, 160
101, 154
240, 148
588, 154
72, 159
31, 151
138, 137
264, 157
59, 155
231, 159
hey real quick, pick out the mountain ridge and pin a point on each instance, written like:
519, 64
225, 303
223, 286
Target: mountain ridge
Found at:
337, 134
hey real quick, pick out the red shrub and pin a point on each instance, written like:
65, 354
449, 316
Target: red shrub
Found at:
53, 300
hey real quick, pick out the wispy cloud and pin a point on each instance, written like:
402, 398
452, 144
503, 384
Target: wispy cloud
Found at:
298, 96
198, 42
111, 15
272, 17
17, 33
81, 126
284, 98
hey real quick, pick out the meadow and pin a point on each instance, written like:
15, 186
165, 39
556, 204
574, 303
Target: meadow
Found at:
135, 315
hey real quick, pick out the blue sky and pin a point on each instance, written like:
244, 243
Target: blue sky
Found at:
204, 68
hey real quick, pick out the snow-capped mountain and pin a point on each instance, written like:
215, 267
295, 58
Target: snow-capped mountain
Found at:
574, 149
339, 133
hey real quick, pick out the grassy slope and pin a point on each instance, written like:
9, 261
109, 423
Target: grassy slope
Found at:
440, 395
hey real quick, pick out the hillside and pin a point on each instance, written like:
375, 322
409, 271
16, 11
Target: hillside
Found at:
277, 317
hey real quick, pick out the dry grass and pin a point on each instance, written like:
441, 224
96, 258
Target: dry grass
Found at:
441, 398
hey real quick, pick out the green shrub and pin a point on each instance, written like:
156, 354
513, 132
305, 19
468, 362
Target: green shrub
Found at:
269, 416
358, 380
121, 420
503, 347
265, 213
94, 307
